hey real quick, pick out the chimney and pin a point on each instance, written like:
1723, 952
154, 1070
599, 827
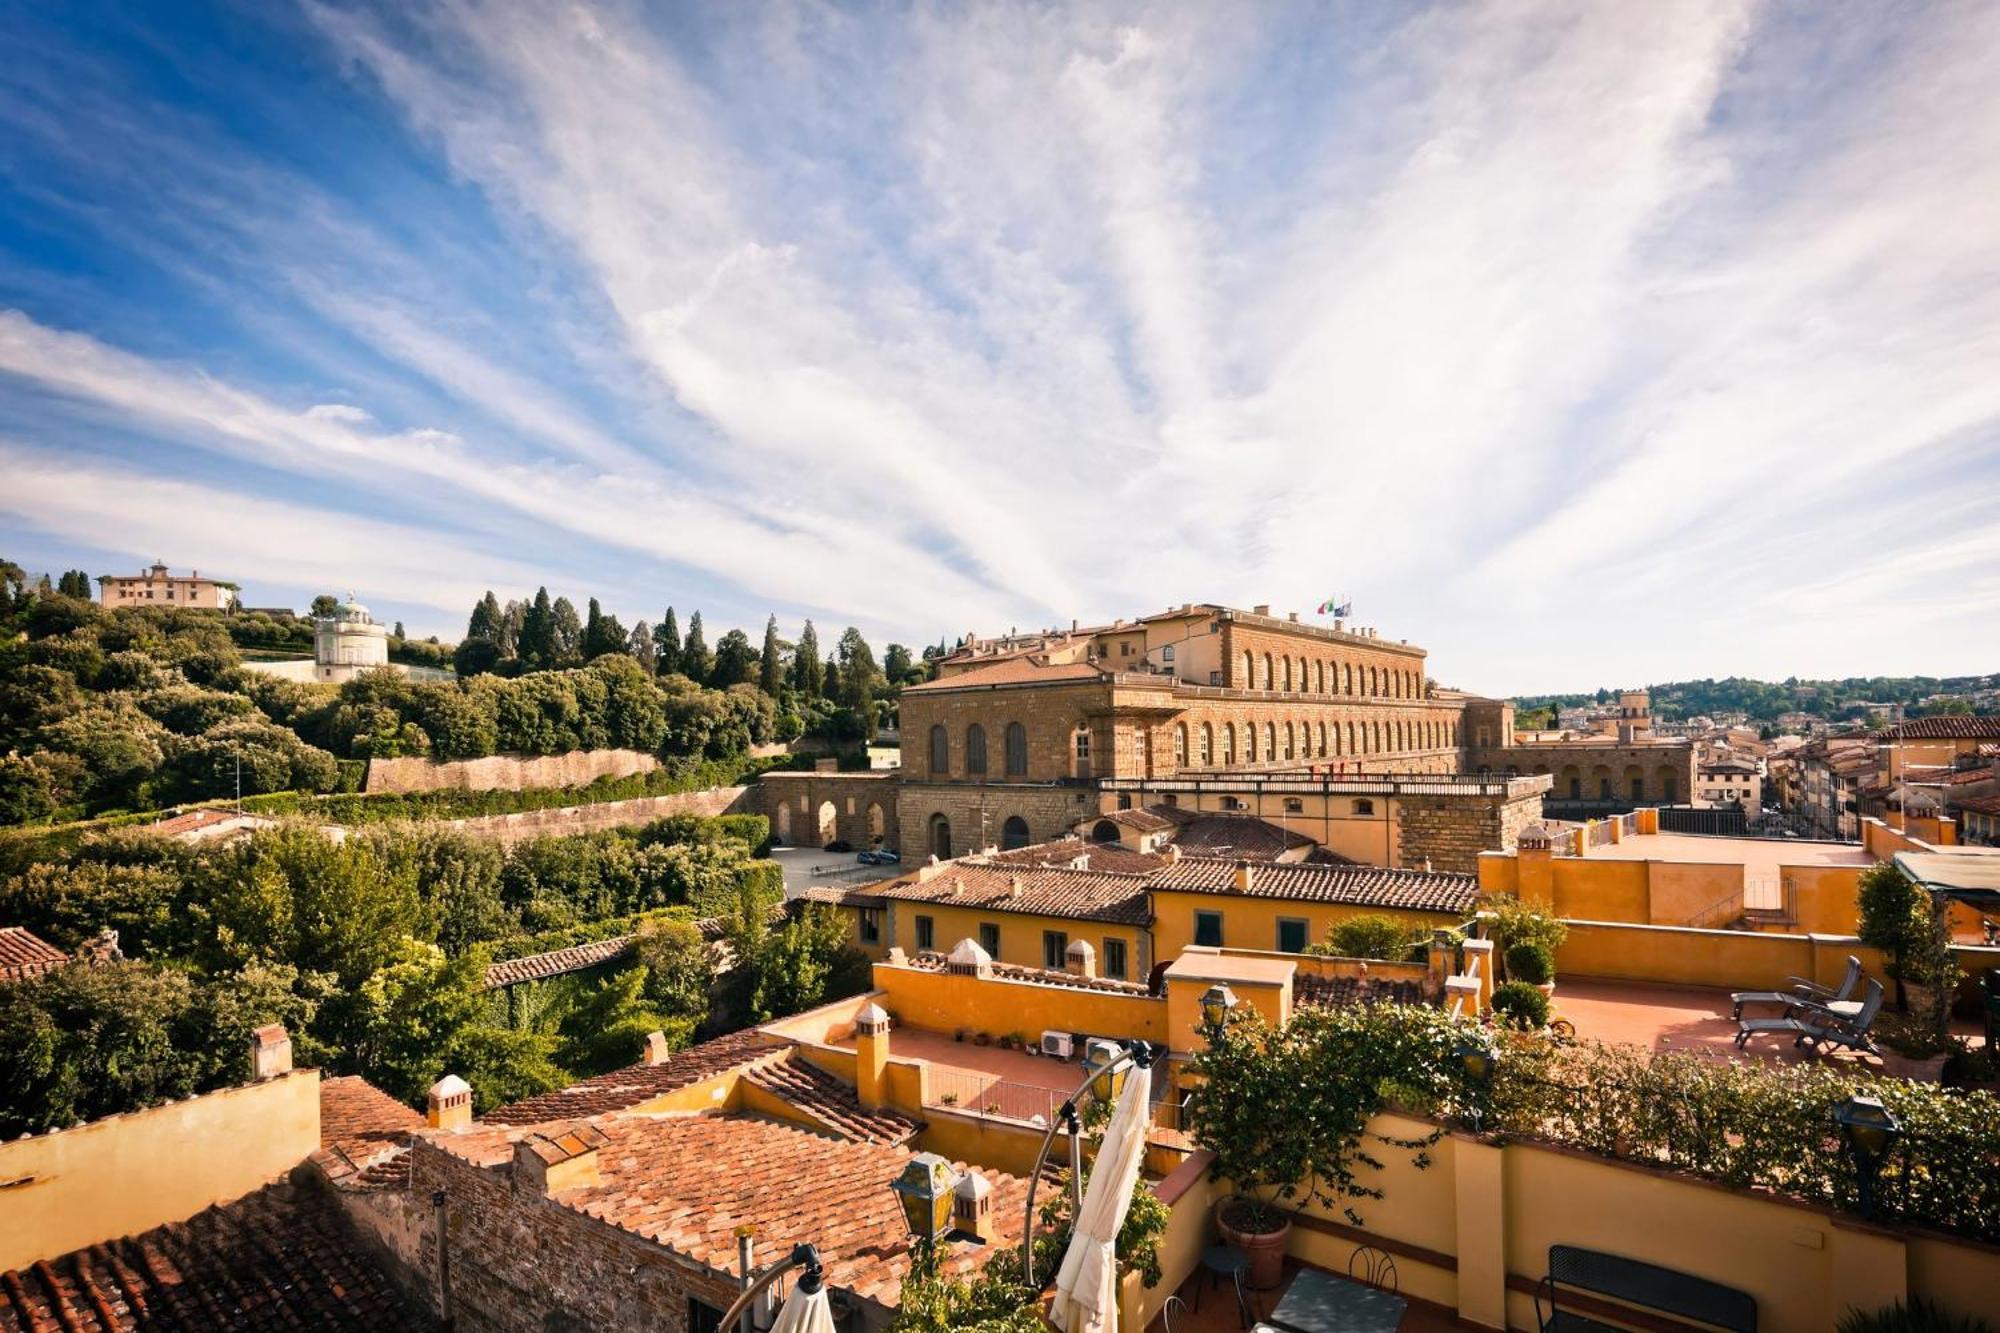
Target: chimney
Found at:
270, 1052
655, 1051
553, 1163
972, 1207
449, 1104
969, 960
1013, 886
1263, 609
1173, 852
1293, 616
1243, 877
871, 1056
1080, 960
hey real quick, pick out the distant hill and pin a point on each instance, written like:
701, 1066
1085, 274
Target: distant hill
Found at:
1834, 700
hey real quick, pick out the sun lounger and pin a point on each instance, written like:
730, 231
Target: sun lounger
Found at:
1802, 990
1817, 1028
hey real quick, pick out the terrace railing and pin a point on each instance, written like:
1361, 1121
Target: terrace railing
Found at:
968, 1090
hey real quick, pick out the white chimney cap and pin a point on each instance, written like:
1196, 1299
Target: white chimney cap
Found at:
972, 1185
874, 1013
969, 953
451, 1085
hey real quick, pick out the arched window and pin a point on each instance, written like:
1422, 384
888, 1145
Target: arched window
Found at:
1207, 744
940, 837
1250, 742
1289, 739
1180, 745
1270, 680
1017, 750
1347, 677
1375, 746
1105, 831
975, 749
1319, 677
940, 752
1249, 670
1288, 673
1013, 833
1322, 740
1270, 740
1229, 742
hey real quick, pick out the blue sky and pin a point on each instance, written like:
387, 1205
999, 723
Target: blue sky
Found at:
1581, 343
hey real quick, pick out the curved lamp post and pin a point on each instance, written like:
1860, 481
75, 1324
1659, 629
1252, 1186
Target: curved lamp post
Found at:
1138, 1055
802, 1256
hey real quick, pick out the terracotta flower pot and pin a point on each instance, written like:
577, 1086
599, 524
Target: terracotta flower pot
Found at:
1266, 1249
1925, 1069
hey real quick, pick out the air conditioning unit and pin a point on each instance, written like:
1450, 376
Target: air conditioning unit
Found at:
1059, 1044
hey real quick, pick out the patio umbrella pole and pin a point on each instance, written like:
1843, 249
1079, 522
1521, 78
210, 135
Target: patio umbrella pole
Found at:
1067, 1115
802, 1256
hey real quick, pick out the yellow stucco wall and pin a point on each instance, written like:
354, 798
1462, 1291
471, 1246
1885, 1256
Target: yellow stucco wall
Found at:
943, 1002
1252, 923
1729, 959
129, 1173
1020, 933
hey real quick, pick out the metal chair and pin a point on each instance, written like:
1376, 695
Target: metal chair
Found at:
1246, 1309
1377, 1268
1174, 1306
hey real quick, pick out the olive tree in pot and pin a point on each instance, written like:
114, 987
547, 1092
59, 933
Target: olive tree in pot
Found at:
1899, 918
1285, 1111
1532, 962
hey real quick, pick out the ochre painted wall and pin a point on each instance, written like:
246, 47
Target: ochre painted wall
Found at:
1252, 923
1020, 933
1725, 959
129, 1173
942, 1002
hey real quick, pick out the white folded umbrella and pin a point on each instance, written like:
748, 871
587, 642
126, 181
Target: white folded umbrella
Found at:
1087, 1283
804, 1313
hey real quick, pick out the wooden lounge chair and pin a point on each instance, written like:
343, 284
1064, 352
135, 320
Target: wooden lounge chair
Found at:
1809, 992
1817, 1028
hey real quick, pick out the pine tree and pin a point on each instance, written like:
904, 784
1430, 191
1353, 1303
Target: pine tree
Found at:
568, 632
771, 666
538, 633
511, 622
640, 646
399, 631
695, 664
74, 583
808, 675
485, 621
860, 678
735, 661
593, 630
667, 645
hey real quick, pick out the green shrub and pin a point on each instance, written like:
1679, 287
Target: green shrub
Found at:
1919, 1316
755, 830
1372, 935
1531, 962
1515, 922
1521, 1005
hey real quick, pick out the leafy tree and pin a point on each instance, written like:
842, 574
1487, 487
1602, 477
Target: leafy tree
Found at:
860, 678
324, 605
461, 724
539, 649
475, 657
808, 676
735, 661
486, 617
770, 663
512, 622
639, 646
667, 645
1371, 935
679, 970
74, 583
695, 663
787, 971
896, 664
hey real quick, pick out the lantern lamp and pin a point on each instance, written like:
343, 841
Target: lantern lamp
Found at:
1216, 1005
924, 1190
1871, 1131
1476, 1059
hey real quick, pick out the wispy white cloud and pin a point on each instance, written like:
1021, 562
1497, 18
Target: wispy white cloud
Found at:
1560, 335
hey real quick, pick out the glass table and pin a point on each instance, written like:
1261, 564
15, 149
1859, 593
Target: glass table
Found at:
1319, 1302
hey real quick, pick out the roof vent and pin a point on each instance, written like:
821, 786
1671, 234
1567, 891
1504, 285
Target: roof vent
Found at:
655, 1051
969, 960
1245, 877
270, 1052
565, 1160
1013, 886
448, 1105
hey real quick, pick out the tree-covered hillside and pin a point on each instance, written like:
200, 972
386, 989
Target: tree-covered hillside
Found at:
1833, 700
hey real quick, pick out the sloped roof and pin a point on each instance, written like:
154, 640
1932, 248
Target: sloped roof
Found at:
364, 1134
1360, 886
934, 962
1089, 895
687, 1182
24, 954
1242, 837
557, 962
1011, 671
1945, 728
627, 1087
283, 1257
830, 1101
1109, 856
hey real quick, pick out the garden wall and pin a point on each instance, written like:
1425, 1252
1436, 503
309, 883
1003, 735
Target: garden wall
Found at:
607, 814
506, 772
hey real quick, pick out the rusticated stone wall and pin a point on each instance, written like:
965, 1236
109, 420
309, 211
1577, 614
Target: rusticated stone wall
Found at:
506, 772
1049, 812
1451, 832
607, 814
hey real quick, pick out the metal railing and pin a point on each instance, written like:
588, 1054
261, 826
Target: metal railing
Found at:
967, 1090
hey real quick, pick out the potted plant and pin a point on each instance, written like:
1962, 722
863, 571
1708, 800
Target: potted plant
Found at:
1520, 1005
1912, 1049
1531, 961
1284, 1111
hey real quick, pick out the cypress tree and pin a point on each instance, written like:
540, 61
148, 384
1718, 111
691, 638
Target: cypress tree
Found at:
771, 667
808, 674
568, 632
667, 645
485, 621
695, 664
537, 648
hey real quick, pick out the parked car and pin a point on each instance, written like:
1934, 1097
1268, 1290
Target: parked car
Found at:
878, 856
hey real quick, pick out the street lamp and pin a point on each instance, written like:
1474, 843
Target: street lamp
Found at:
1871, 1131
1216, 1004
1476, 1059
925, 1191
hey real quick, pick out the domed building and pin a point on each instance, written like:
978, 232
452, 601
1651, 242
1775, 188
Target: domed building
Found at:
347, 643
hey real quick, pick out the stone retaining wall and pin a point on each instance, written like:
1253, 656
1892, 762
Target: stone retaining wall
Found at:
508, 829
506, 772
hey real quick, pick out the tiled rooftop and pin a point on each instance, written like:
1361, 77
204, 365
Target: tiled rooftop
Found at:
1945, 728
935, 962
1242, 837
623, 1088
556, 962
1309, 990
1361, 886
1107, 856
281, 1258
1084, 895
1023, 670
364, 1134
688, 1182
830, 1101
24, 954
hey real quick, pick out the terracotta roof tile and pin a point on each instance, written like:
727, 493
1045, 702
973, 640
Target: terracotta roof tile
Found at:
935, 962
1243, 837
622, 1088
1145, 821
687, 1183
1985, 805
364, 1135
281, 1258
24, 954
1361, 886
1011, 671
827, 895
1040, 890
1945, 728
1352, 992
1065, 852
830, 1101
557, 962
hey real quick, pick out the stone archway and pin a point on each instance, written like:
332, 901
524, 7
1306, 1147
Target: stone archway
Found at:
940, 830
784, 830
1105, 831
828, 822
1014, 833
